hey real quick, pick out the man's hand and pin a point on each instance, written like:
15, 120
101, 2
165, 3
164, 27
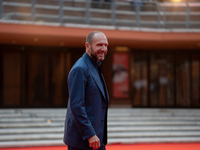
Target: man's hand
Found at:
94, 142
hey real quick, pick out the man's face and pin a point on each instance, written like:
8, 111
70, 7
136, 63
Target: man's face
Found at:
98, 48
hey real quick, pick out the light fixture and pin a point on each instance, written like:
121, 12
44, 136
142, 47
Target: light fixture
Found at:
176, 1
121, 49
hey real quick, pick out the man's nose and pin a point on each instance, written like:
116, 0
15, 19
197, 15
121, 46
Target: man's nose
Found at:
104, 48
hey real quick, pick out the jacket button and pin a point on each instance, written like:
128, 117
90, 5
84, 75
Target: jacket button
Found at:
104, 107
101, 120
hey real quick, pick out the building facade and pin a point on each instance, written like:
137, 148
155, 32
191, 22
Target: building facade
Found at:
153, 59
141, 69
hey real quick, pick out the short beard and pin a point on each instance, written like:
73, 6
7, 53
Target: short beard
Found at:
94, 56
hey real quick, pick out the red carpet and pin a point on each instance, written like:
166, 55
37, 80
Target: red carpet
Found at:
168, 146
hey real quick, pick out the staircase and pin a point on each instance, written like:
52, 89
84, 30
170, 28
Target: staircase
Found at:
153, 125
44, 127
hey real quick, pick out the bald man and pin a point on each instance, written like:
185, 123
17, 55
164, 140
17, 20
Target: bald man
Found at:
86, 118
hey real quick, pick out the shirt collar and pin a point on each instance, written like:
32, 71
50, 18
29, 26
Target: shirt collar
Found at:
96, 64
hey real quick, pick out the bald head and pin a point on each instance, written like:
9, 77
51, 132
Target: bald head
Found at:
90, 36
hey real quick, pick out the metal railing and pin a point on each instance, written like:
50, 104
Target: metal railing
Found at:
138, 14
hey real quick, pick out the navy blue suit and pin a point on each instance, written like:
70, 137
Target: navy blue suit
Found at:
87, 106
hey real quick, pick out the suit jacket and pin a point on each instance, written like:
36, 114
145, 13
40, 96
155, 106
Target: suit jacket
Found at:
87, 106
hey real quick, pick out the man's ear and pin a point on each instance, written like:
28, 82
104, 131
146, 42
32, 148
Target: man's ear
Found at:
87, 45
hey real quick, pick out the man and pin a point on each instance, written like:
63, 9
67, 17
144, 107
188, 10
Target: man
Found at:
86, 119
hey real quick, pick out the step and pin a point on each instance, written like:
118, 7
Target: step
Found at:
29, 137
26, 125
152, 123
51, 136
31, 119
153, 128
110, 119
32, 143
154, 140
156, 111
110, 123
153, 118
153, 134
11, 131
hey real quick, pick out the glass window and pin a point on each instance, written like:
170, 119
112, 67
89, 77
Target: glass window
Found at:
195, 80
11, 77
183, 87
37, 77
161, 80
140, 80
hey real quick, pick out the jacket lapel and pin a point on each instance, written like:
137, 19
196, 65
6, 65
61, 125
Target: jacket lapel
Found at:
106, 91
96, 77
97, 80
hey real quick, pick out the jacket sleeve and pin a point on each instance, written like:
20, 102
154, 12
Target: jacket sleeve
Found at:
77, 83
